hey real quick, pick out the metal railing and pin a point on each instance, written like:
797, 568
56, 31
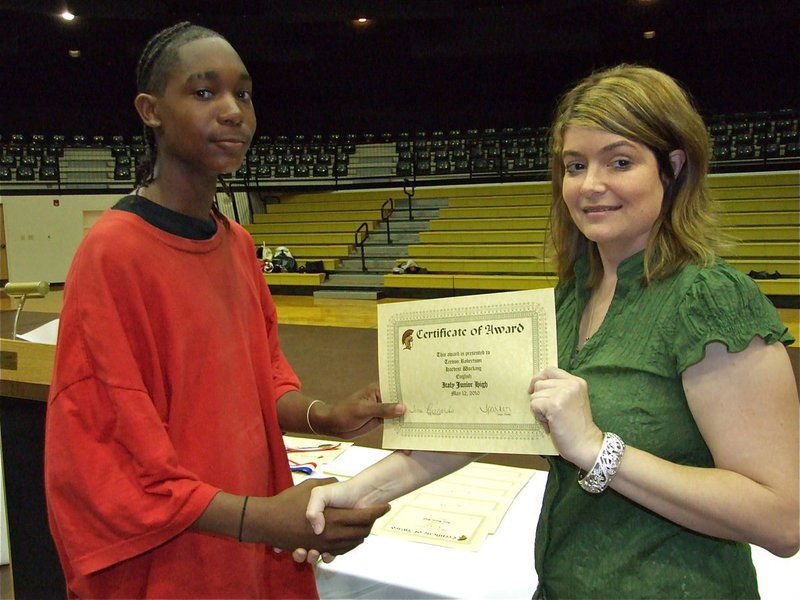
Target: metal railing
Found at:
410, 195
386, 213
359, 243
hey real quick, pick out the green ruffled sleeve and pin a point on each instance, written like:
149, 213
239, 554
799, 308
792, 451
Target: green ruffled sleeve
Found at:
724, 305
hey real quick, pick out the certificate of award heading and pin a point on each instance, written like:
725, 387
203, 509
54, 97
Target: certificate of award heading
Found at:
462, 367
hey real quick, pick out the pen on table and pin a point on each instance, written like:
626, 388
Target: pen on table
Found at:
320, 447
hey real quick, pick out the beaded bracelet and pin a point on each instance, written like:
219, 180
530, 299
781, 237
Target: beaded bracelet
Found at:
605, 466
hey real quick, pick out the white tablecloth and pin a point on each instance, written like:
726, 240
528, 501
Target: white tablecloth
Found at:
385, 567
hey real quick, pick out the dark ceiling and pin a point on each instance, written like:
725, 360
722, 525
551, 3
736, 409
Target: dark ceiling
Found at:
420, 64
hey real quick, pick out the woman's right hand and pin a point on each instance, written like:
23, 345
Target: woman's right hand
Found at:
323, 499
560, 402
333, 529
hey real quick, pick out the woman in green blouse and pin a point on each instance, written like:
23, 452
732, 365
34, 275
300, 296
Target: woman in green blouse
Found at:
675, 412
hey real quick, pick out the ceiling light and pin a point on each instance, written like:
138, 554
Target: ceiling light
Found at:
67, 16
650, 34
75, 53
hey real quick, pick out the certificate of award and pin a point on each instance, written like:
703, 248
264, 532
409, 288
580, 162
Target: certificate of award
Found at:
462, 367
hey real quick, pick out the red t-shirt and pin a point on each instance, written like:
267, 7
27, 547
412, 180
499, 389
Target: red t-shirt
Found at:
166, 375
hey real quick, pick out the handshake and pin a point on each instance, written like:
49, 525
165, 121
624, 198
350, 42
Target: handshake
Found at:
334, 519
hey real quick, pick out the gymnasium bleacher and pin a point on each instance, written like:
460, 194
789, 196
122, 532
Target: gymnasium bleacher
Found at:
741, 142
468, 208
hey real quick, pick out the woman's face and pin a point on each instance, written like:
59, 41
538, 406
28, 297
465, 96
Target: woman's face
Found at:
206, 113
612, 189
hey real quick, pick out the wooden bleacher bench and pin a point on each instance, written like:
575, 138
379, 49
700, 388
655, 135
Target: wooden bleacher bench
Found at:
473, 252
502, 266
764, 233
759, 179
759, 205
769, 250
767, 192
484, 237
335, 207
470, 282
304, 239
322, 216
294, 278
502, 223
504, 282
483, 212
779, 287
512, 200
508, 282
421, 281
308, 227
786, 267
772, 217
425, 193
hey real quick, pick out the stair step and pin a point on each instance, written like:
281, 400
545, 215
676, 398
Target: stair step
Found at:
382, 251
349, 294
355, 279
379, 265
398, 239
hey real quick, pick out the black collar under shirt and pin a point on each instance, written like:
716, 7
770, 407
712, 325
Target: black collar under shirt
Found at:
168, 220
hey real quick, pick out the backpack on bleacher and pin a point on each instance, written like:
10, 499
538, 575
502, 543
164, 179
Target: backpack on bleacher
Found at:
314, 266
283, 261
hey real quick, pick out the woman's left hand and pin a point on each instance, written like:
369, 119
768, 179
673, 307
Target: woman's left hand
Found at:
359, 414
560, 402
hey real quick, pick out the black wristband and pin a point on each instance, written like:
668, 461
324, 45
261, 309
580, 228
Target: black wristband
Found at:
241, 519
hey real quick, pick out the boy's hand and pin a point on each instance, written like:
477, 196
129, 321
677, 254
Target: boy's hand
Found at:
357, 415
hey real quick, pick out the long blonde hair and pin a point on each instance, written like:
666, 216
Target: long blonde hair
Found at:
648, 107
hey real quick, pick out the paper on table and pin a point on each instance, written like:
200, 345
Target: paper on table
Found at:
458, 511
462, 367
44, 334
312, 453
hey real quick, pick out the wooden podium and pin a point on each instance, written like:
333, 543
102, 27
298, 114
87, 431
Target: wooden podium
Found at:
25, 374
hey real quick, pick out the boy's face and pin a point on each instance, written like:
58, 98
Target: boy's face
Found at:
206, 114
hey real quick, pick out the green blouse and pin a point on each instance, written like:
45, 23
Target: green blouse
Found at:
591, 546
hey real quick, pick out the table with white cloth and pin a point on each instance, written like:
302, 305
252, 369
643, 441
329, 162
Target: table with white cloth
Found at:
503, 567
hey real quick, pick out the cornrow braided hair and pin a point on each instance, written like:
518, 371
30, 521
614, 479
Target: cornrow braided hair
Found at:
157, 60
